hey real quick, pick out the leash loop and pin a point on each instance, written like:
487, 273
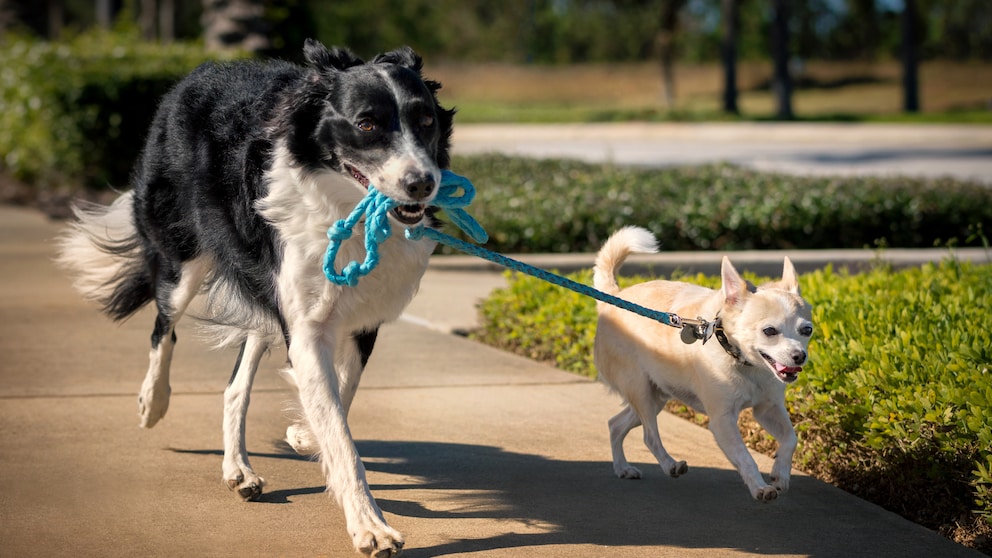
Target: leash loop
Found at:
455, 193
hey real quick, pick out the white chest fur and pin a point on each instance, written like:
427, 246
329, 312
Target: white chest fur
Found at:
302, 207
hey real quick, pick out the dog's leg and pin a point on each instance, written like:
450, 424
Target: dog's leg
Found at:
775, 419
238, 473
620, 425
174, 291
647, 406
351, 355
312, 356
351, 363
728, 437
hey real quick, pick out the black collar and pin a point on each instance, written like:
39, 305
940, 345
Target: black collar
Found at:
732, 350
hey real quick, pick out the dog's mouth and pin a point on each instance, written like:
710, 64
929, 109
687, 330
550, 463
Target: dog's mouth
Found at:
787, 374
409, 214
357, 175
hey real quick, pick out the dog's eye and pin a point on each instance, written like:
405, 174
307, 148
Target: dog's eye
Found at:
366, 125
426, 121
806, 330
770, 331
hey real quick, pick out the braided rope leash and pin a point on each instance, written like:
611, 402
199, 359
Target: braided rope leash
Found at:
455, 193
666, 318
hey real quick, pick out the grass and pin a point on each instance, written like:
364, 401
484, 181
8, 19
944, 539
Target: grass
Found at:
950, 92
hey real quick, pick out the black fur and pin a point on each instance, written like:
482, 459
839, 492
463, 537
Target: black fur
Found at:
203, 164
366, 342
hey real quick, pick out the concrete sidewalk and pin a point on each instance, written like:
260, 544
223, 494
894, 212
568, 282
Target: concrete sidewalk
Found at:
470, 451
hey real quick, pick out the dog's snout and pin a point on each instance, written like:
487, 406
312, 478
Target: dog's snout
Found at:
799, 357
420, 186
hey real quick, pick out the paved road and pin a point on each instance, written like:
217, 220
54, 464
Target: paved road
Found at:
799, 148
471, 451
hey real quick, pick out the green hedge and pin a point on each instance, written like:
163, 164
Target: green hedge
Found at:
76, 112
567, 206
895, 404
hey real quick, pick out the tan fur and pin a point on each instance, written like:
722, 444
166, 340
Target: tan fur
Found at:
647, 363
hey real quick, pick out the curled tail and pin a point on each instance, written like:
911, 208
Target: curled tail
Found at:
104, 253
615, 250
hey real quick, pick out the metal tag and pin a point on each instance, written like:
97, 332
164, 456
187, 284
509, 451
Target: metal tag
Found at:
694, 330
688, 334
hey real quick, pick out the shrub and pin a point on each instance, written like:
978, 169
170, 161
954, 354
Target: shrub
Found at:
569, 206
894, 403
76, 112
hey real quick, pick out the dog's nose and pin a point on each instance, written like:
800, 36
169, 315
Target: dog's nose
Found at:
799, 357
420, 186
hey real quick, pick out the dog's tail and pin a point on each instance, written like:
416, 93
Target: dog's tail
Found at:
103, 251
616, 249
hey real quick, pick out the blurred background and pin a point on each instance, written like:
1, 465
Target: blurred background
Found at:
80, 78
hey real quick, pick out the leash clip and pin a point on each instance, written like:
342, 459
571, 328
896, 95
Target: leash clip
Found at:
694, 330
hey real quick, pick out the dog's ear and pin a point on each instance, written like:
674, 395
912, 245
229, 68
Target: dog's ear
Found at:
790, 280
403, 56
321, 58
734, 288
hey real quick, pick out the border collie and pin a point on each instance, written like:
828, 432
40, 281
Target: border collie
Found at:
245, 167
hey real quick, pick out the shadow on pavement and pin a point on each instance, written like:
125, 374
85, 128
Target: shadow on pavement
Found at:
583, 503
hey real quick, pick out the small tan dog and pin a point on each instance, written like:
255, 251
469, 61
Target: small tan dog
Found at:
762, 337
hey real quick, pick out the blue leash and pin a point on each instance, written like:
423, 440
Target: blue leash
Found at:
455, 193
664, 317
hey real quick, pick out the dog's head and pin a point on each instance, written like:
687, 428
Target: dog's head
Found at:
771, 324
376, 122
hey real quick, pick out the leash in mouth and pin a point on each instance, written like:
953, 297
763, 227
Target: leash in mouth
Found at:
454, 194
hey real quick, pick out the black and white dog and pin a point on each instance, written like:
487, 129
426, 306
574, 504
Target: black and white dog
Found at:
245, 167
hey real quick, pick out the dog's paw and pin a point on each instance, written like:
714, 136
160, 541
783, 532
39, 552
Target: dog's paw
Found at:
153, 402
249, 486
299, 437
780, 483
765, 493
379, 541
677, 469
627, 472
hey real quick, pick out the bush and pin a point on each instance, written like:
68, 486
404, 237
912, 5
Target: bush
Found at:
894, 404
76, 112
568, 206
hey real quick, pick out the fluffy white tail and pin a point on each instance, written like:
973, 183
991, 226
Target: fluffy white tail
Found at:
615, 250
103, 251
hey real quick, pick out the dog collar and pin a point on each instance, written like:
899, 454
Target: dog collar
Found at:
732, 350
700, 329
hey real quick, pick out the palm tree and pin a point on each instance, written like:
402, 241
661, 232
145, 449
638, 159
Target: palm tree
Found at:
782, 82
666, 43
910, 83
731, 26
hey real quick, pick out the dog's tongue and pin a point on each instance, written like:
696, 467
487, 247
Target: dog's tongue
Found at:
783, 369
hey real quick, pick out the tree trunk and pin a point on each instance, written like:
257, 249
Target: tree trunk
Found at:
782, 82
234, 25
146, 19
104, 13
56, 18
167, 20
910, 63
731, 25
666, 45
